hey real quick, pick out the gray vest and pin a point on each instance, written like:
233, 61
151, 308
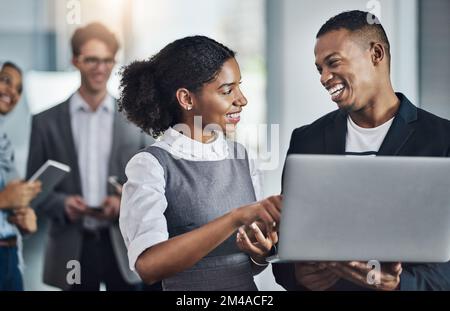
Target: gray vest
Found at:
198, 192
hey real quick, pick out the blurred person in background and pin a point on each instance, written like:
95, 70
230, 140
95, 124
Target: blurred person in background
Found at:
16, 216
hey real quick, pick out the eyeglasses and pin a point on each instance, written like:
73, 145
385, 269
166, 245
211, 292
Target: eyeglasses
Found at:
93, 62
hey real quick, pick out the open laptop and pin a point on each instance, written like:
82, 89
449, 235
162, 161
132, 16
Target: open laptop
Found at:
343, 208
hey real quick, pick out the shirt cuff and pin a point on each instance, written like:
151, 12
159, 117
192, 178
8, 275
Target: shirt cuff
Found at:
141, 243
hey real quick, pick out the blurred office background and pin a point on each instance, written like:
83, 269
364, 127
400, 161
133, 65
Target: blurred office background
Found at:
274, 40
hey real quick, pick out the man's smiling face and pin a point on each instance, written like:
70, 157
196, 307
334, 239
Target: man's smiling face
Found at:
346, 69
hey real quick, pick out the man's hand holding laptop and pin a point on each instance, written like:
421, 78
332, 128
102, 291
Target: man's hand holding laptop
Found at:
315, 276
323, 275
357, 272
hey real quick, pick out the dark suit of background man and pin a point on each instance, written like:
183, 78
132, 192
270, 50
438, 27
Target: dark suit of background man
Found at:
353, 61
87, 133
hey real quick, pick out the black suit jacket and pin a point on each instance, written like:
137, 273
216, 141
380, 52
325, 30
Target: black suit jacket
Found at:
414, 132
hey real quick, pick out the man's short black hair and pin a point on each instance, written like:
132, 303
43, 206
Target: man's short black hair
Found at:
364, 24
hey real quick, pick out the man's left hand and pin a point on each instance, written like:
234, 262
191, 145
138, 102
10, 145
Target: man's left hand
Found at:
357, 272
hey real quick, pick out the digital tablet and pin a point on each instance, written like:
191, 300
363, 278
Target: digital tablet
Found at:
49, 174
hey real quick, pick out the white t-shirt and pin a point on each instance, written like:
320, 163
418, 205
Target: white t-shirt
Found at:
362, 141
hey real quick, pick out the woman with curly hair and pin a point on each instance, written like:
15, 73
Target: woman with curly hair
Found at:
190, 192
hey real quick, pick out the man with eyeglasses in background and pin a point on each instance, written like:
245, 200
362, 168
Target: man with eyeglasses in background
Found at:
87, 133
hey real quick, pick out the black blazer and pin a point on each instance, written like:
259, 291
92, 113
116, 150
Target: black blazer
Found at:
414, 132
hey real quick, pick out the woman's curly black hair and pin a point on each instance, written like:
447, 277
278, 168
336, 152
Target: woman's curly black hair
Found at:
148, 88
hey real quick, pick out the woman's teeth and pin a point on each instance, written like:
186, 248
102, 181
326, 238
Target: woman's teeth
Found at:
233, 115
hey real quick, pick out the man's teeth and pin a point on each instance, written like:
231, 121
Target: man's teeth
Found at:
233, 115
336, 89
5, 98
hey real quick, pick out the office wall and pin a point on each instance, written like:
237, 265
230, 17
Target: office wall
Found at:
27, 37
435, 48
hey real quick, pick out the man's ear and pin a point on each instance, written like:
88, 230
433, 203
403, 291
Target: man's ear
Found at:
378, 53
75, 61
185, 99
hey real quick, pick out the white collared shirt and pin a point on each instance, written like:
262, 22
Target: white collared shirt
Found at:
142, 220
92, 133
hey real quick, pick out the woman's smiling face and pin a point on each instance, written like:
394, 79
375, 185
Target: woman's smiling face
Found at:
10, 89
221, 101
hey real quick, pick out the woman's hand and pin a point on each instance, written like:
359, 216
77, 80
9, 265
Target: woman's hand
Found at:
18, 194
178, 253
266, 211
259, 246
25, 219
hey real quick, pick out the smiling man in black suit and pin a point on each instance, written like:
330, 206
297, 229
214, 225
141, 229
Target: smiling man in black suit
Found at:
353, 59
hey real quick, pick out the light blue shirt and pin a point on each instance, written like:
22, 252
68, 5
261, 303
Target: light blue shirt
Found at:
7, 172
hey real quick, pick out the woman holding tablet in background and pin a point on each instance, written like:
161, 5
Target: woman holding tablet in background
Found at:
16, 216
188, 194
